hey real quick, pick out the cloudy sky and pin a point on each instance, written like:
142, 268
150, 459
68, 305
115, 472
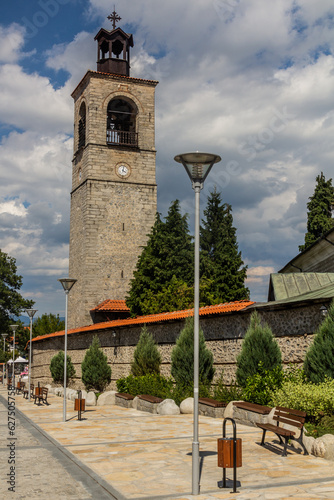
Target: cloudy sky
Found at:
250, 80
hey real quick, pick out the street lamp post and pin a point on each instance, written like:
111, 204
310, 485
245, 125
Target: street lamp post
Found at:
13, 328
30, 313
198, 166
67, 284
4, 366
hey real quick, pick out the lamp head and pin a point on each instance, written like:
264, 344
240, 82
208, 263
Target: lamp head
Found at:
31, 312
67, 283
197, 165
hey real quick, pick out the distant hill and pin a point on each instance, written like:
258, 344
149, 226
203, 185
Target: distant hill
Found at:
26, 320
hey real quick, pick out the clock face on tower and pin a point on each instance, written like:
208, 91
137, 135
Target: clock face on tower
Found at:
123, 170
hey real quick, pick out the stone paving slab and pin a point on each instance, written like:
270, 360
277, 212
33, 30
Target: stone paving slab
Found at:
145, 456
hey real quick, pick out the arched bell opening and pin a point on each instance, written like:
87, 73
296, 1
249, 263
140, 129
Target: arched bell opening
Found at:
121, 122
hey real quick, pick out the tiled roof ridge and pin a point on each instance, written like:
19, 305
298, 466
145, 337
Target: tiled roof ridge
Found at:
115, 305
155, 318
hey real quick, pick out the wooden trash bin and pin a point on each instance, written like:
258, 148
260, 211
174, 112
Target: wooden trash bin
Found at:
79, 404
38, 391
225, 453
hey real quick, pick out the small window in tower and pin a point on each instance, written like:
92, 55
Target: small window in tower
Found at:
82, 126
121, 122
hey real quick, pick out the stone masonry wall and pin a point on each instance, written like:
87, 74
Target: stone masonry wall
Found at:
293, 328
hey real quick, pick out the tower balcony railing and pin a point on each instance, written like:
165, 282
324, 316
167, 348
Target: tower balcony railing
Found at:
122, 138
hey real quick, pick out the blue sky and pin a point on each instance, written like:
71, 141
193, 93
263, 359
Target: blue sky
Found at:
251, 81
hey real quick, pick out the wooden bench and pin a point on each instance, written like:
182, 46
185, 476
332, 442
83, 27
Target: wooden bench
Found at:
20, 387
26, 391
244, 405
295, 418
124, 399
209, 407
148, 403
42, 396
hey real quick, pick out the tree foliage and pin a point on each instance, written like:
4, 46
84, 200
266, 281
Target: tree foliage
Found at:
319, 215
11, 301
319, 359
47, 323
96, 373
259, 351
147, 358
221, 261
167, 254
182, 358
57, 368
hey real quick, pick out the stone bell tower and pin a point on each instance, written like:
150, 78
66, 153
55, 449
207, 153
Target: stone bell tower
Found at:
113, 198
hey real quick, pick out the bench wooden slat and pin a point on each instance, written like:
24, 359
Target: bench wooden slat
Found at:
149, 398
273, 428
244, 405
289, 421
212, 402
124, 395
291, 411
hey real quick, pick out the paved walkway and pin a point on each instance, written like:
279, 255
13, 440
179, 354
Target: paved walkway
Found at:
125, 454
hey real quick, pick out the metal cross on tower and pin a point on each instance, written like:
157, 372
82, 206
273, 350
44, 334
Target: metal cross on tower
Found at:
114, 18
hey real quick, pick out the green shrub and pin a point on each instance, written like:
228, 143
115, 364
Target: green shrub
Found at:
319, 359
260, 386
225, 393
316, 400
147, 358
258, 345
183, 358
325, 426
153, 384
57, 368
96, 373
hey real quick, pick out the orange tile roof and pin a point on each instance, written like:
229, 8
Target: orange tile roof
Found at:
227, 307
111, 306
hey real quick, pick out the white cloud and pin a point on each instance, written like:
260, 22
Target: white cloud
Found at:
12, 41
251, 81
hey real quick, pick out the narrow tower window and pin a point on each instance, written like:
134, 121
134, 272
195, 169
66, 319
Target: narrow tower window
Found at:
82, 126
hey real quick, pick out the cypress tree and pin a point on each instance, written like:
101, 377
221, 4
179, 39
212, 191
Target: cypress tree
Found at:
183, 358
258, 345
147, 358
319, 359
57, 368
221, 260
168, 253
319, 215
95, 371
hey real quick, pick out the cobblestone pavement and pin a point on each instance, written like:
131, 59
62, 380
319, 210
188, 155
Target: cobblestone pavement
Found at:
133, 455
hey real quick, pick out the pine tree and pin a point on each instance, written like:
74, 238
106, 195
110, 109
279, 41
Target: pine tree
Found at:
221, 261
183, 358
147, 358
319, 359
319, 215
96, 373
57, 368
258, 346
11, 301
168, 253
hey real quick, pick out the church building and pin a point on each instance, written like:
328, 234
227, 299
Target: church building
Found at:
114, 192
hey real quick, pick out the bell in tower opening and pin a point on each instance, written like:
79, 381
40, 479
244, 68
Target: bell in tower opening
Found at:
113, 49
